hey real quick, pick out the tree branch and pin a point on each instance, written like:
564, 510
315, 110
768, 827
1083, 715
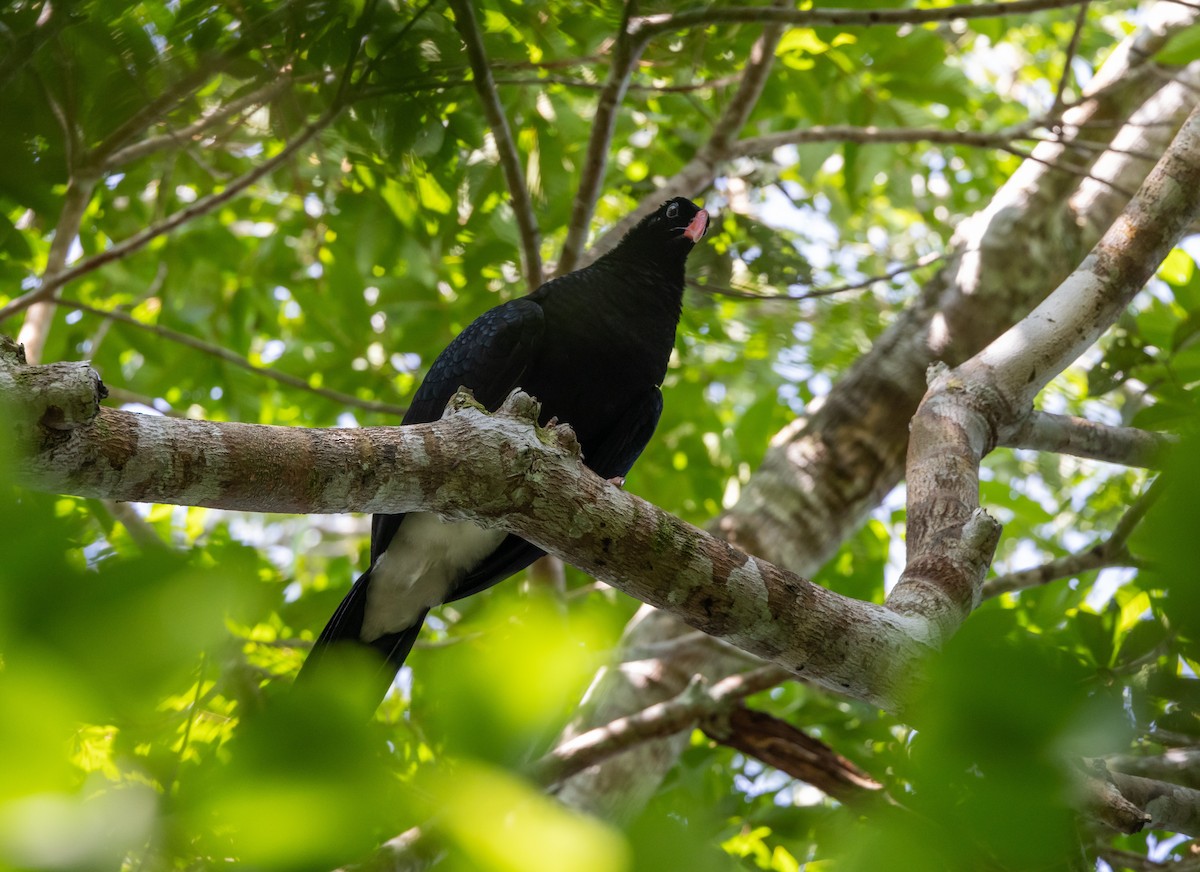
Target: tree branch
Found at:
1072, 46
814, 293
650, 25
202, 206
498, 470
626, 53
1177, 765
237, 360
510, 161
969, 410
37, 320
698, 173
823, 474
661, 719
1098, 557
1168, 806
777, 743
182, 136
1111, 552
1066, 434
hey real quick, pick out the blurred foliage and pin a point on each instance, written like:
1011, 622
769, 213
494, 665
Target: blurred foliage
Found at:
147, 723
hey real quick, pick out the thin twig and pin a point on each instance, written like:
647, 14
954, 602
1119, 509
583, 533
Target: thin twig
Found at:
1109, 553
239, 361
1080, 20
201, 206
184, 135
698, 173
373, 63
656, 721
1069, 169
871, 134
510, 161
754, 78
566, 81
650, 25
80, 185
156, 108
1085, 147
740, 294
357, 38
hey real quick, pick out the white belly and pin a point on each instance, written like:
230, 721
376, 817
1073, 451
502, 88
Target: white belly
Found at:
424, 560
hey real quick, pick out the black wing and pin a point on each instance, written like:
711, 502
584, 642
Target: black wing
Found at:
626, 437
489, 357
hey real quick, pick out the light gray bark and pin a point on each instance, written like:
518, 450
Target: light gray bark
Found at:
498, 470
825, 472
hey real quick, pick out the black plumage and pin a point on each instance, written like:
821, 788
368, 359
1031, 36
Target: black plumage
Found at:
592, 346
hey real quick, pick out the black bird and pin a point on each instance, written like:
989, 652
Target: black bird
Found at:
592, 346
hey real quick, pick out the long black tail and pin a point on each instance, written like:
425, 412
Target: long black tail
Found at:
345, 630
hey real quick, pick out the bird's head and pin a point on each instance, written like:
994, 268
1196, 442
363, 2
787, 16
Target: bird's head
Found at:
670, 232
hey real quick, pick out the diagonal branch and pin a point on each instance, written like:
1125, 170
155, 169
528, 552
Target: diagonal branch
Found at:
184, 135
816, 293
696, 703
510, 161
777, 743
626, 53
983, 402
237, 360
50, 284
1111, 552
1099, 557
823, 474
1072, 46
37, 321
1168, 806
698, 173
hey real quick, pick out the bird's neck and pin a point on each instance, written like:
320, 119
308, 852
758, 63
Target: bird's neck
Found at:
653, 285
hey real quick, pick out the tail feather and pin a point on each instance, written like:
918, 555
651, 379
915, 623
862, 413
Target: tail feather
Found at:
345, 630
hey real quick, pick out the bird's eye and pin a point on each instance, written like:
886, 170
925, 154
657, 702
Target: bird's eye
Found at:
672, 210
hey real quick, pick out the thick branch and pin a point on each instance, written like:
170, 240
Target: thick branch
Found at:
968, 410
1169, 806
1065, 434
499, 471
822, 474
1177, 765
510, 161
1024, 360
777, 743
